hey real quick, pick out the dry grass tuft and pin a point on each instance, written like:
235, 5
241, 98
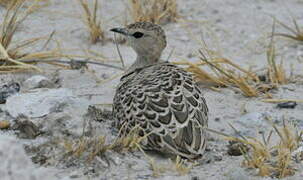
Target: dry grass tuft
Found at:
88, 148
296, 33
275, 160
6, 3
225, 73
10, 3
128, 141
156, 11
276, 72
38, 3
157, 168
12, 53
179, 165
222, 72
92, 21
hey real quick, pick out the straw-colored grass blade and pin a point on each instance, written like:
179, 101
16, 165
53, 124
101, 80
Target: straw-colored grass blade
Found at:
156, 11
272, 159
92, 20
295, 33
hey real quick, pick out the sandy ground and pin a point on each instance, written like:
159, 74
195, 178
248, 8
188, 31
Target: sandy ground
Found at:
237, 29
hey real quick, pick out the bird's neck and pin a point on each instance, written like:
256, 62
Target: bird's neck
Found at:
144, 60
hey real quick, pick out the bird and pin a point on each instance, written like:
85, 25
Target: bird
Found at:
160, 98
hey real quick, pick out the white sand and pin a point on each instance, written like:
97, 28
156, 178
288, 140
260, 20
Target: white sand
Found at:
237, 29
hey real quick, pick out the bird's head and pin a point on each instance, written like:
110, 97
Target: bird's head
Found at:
146, 38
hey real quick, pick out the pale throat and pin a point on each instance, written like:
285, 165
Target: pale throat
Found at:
145, 59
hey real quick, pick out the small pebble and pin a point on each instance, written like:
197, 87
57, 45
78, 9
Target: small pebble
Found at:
37, 81
74, 175
77, 64
262, 78
26, 129
218, 157
8, 90
287, 105
195, 178
215, 11
217, 119
236, 148
4, 124
98, 114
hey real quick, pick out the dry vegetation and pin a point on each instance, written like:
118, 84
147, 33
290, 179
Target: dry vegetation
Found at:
9, 3
89, 148
225, 73
92, 20
156, 11
38, 3
13, 54
222, 72
272, 158
18, 56
6, 3
296, 33
179, 166
282, 100
276, 72
86, 146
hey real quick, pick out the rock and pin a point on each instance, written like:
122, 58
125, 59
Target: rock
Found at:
287, 105
298, 154
75, 174
15, 163
62, 124
195, 178
236, 148
37, 81
77, 64
40, 102
98, 114
8, 90
51, 111
4, 124
26, 129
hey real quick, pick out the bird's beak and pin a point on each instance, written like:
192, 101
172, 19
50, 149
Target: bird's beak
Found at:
121, 31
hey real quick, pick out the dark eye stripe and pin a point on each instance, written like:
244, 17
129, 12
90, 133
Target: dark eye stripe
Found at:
138, 34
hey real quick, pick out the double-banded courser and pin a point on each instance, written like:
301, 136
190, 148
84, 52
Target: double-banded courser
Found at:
159, 97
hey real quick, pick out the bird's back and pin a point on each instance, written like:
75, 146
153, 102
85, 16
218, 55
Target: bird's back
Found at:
166, 103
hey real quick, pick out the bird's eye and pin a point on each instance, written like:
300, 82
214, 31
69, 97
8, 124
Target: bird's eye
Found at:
138, 34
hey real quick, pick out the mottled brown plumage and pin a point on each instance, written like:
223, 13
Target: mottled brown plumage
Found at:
161, 98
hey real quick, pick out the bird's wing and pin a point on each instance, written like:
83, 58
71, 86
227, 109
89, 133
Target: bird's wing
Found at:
166, 102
